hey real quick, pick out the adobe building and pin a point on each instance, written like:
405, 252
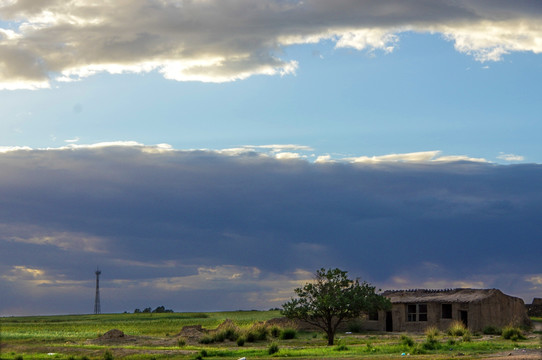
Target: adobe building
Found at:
415, 310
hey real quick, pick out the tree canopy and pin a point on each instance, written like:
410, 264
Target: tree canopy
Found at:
332, 299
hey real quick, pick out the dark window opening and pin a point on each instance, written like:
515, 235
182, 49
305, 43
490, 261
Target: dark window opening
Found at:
422, 312
411, 312
417, 312
373, 315
446, 311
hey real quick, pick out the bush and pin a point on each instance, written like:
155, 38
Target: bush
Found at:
457, 328
355, 327
241, 341
431, 344
512, 333
432, 332
418, 350
19, 357
108, 355
250, 336
181, 342
273, 348
260, 331
492, 330
203, 353
341, 346
467, 336
275, 331
288, 334
407, 340
207, 339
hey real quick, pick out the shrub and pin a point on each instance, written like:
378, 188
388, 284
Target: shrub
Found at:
108, 355
407, 340
457, 328
451, 342
467, 336
273, 348
418, 350
207, 339
250, 336
230, 333
512, 333
275, 331
288, 334
341, 346
241, 341
203, 352
492, 330
19, 357
355, 327
432, 332
181, 342
431, 344
260, 331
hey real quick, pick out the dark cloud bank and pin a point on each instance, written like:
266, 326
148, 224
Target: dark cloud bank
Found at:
202, 230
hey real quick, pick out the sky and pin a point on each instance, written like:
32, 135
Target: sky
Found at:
211, 155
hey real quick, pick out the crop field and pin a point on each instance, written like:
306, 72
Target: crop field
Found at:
245, 334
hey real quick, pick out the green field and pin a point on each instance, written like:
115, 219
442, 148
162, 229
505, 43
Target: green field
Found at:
155, 336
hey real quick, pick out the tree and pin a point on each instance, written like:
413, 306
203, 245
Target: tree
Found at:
332, 299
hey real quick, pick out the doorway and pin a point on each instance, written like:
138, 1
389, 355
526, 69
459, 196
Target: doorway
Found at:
464, 317
389, 321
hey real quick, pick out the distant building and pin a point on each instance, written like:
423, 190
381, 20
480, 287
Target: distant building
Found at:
535, 309
415, 310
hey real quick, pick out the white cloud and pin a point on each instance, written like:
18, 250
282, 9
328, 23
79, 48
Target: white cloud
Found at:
422, 156
510, 157
204, 41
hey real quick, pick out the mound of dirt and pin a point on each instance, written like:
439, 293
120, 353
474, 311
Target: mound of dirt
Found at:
226, 324
113, 336
192, 333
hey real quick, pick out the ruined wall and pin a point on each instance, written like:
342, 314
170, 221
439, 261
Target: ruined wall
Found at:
502, 310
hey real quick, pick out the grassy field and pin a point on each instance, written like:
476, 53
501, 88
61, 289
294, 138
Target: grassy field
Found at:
155, 336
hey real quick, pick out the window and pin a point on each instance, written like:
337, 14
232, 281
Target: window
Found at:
411, 312
446, 311
417, 312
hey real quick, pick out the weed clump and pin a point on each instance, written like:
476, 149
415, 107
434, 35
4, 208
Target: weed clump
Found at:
108, 355
288, 334
341, 345
241, 341
512, 333
273, 348
407, 341
457, 328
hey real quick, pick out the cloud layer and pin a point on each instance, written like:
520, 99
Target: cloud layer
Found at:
207, 230
219, 41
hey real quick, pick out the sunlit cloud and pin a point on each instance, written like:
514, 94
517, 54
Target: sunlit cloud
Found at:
69, 241
423, 156
510, 157
59, 41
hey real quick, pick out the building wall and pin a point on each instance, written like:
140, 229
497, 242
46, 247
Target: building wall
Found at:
498, 310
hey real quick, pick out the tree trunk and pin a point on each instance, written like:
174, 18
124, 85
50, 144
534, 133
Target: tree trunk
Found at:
330, 338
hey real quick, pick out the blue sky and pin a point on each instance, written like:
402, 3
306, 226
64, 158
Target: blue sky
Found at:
185, 146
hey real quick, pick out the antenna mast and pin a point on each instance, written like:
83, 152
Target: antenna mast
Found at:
97, 309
